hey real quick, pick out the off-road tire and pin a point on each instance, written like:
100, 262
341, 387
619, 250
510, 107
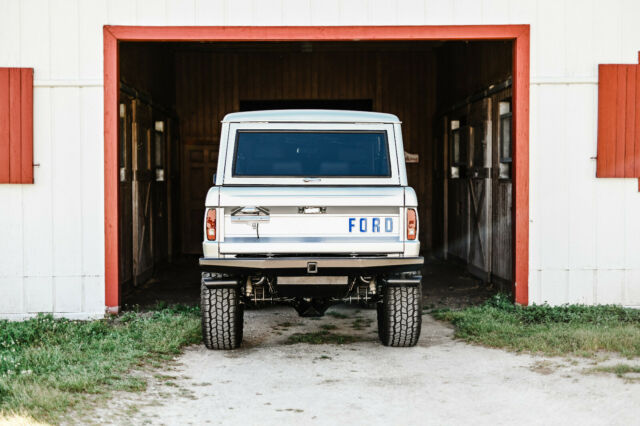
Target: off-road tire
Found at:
222, 317
400, 316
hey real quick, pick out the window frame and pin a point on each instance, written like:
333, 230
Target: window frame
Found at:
376, 132
505, 163
234, 128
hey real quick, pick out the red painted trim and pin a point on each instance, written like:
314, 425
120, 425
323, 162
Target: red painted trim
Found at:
112, 290
16, 125
329, 33
607, 89
636, 148
521, 161
519, 33
630, 121
15, 136
4, 125
26, 123
620, 108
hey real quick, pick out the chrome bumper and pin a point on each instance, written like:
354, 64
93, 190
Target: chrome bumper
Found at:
312, 265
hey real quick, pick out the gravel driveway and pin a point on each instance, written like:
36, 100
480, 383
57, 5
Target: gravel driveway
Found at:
441, 381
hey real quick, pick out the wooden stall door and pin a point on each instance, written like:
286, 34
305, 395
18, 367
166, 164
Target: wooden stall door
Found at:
502, 191
199, 165
125, 203
457, 200
479, 188
160, 188
142, 192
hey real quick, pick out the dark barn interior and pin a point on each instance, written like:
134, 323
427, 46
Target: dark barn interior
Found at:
454, 99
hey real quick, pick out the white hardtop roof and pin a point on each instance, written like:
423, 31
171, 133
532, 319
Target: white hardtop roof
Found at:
310, 115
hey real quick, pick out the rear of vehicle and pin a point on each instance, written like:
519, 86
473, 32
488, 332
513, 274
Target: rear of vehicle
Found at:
311, 208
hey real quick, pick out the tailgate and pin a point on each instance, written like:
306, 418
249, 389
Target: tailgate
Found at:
309, 220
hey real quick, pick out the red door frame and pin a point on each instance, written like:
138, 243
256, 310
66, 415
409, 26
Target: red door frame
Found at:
518, 33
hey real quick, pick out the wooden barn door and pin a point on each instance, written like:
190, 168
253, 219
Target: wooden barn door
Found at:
468, 187
479, 188
502, 191
125, 201
457, 200
142, 192
148, 179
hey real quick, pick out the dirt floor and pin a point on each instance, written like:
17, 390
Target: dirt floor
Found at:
441, 381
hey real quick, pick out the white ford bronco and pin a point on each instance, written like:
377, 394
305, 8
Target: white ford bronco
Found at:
310, 208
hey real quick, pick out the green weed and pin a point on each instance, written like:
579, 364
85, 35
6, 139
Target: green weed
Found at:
48, 365
321, 338
558, 330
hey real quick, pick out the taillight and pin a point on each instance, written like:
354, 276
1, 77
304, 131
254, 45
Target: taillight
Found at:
412, 224
211, 224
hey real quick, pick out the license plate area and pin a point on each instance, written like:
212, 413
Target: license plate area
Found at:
306, 280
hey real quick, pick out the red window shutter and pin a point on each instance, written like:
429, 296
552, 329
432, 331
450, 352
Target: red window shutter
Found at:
16, 125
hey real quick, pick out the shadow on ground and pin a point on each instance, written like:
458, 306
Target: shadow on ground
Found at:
446, 284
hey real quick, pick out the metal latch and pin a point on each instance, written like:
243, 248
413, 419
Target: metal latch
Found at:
312, 267
312, 210
250, 214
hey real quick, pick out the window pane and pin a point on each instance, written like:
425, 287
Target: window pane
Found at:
159, 149
308, 154
456, 147
505, 137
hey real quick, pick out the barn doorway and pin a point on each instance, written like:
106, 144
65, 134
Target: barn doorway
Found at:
173, 95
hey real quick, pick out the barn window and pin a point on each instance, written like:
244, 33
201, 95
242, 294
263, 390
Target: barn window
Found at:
16, 125
478, 147
618, 121
505, 140
456, 149
122, 128
159, 150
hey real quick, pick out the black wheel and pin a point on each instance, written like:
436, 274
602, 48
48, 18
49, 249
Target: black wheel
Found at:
222, 317
399, 316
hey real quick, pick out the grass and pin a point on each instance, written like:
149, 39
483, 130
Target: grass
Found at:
560, 330
328, 326
322, 337
48, 366
361, 323
620, 370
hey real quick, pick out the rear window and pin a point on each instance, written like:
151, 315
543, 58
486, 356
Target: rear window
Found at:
311, 154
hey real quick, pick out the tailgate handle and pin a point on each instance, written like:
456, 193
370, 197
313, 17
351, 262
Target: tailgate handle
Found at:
250, 214
312, 210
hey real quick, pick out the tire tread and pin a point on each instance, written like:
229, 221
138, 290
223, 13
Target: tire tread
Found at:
400, 316
222, 317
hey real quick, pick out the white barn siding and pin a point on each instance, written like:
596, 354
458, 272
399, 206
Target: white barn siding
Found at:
584, 232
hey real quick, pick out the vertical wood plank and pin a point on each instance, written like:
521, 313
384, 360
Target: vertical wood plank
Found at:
91, 16
64, 39
15, 141
521, 73
111, 76
4, 125
620, 119
607, 88
636, 153
631, 106
26, 106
